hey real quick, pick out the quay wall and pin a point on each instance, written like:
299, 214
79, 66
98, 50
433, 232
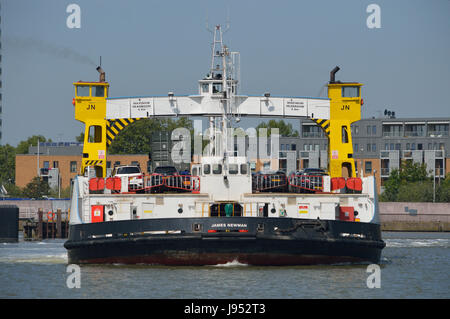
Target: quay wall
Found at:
399, 216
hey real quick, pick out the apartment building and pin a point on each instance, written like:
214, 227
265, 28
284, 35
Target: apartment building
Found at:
381, 144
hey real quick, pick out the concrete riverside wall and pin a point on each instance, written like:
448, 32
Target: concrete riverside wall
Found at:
414, 216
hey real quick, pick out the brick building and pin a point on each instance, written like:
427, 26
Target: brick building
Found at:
66, 158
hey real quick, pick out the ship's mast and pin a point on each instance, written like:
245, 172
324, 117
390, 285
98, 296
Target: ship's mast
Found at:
221, 63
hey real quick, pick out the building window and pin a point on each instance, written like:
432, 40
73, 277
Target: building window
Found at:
73, 167
368, 167
294, 147
46, 164
369, 148
371, 130
307, 147
374, 147
55, 164
355, 147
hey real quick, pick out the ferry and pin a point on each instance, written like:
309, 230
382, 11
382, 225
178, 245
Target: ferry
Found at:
222, 211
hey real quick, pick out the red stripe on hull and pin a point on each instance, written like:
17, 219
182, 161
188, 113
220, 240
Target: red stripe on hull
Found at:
217, 259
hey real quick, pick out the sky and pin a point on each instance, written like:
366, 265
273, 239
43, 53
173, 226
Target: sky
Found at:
153, 47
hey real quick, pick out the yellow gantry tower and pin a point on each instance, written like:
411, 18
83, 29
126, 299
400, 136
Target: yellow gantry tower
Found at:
345, 108
90, 109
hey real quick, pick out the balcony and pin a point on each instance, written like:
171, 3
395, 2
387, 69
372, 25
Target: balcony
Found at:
312, 134
439, 172
392, 134
414, 130
389, 154
414, 133
439, 154
385, 172
437, 133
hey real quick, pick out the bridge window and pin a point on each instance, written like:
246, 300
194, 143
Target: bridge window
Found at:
244, 169
217, 87
350, 91
196, 171
205, 88
98, 91
207, 169
217, 169
83, 90
233, 169
95, 134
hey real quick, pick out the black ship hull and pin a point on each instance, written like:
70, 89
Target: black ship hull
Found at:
212, 241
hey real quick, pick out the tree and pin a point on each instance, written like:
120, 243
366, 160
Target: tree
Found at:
136, 138
22, 147
409, 183
443, 190
284, 129
7, 164
80, 138
37, 188
416, 192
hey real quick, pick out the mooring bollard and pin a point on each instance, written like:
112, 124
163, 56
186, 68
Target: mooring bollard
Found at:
40, 226
58, 223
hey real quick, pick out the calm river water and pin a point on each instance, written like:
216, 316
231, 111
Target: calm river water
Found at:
414, 265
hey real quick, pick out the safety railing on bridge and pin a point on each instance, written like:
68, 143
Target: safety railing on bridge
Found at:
153, 183
269, 183
305, 183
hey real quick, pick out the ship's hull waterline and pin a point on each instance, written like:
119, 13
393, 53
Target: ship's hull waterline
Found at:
211, 241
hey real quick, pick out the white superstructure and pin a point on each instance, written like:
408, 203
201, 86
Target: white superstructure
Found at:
221, 178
